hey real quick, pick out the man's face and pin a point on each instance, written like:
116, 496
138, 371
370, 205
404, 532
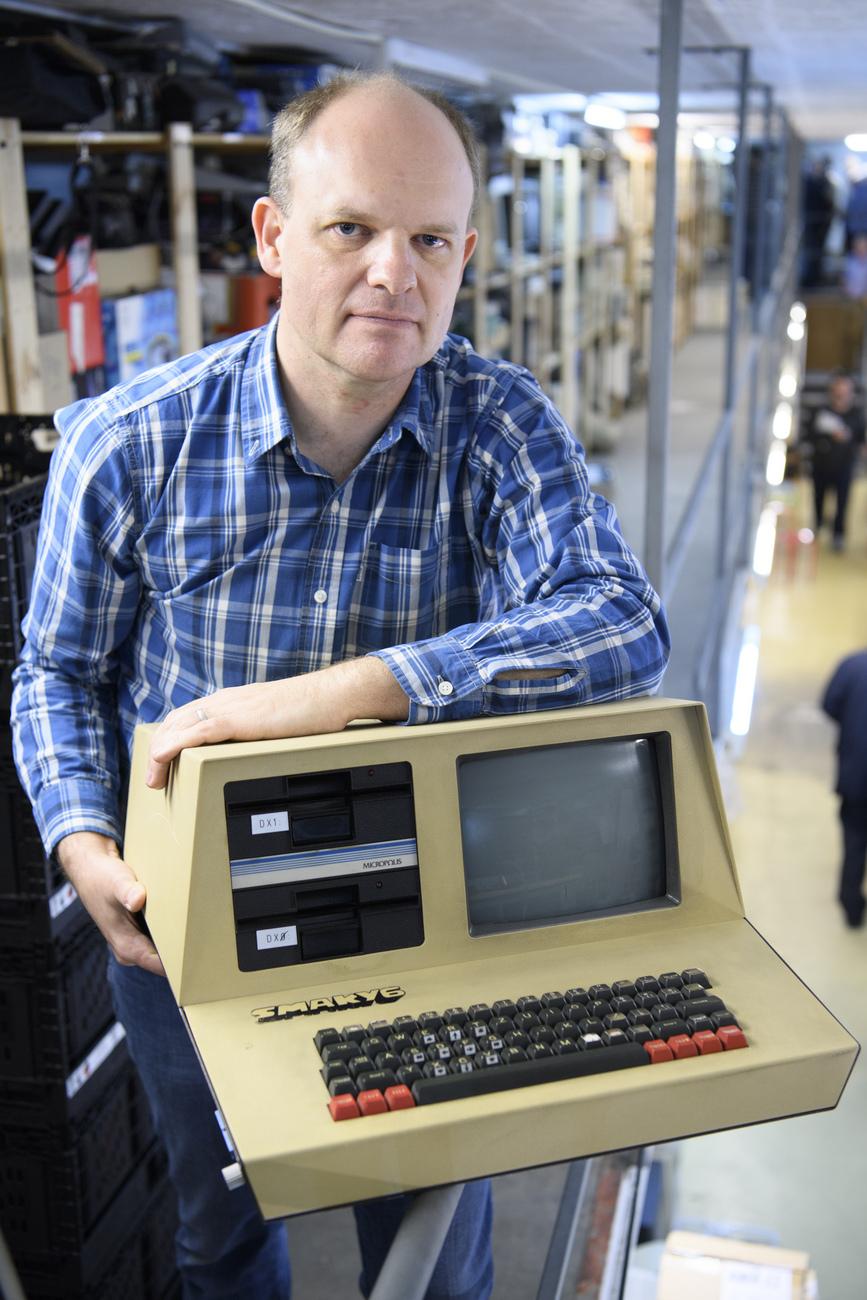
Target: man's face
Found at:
841, 394
372, 250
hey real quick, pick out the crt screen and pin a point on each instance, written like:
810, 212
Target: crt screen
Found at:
562, 833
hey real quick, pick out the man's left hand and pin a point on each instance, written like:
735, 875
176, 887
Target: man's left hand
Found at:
313, 704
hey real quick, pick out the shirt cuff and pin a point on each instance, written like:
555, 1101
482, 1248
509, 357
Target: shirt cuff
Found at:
63, 808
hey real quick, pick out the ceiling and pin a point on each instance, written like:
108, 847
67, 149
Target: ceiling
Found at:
813, 54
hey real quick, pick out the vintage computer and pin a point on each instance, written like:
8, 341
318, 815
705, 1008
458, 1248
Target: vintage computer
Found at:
410, 956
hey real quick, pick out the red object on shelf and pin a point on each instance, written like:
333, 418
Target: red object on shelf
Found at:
78, 309
255, 299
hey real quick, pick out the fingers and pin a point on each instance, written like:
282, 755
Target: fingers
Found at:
183, 728
112, 896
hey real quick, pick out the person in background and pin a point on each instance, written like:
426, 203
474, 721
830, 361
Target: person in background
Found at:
836, 435
845, 700
347, 513
818, 211
855, 269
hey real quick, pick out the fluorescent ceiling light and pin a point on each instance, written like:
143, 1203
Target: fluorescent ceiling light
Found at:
726, 144
604, 116
775, 470
857, 143
788, 383
421, 58
782, 423
798, 312
766, 536
745, 683
562, 103
795, 330
704, 140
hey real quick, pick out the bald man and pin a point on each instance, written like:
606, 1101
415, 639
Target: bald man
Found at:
347, 513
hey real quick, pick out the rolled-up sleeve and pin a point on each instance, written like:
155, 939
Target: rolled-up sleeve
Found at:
84, 599
574, 602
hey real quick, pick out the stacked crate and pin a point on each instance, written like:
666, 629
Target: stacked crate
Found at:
85, 1205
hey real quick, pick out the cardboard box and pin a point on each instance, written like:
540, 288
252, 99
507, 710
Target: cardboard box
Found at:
128, 270
140, 332
699, 1267
57, 389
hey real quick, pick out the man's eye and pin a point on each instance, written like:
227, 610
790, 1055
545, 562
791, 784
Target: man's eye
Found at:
347, 228
433, 241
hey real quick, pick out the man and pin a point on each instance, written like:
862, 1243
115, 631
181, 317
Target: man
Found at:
836, 434
340, 515
845, 700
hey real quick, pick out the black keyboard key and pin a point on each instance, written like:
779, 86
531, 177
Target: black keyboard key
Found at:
567, 1029
404, 1025
591, 1025
333, 1070
371, 1046
552, 1001
434, 1070
695, 976
461, 1065
640, 1034
429, 1020
576, 1012
602, 992
563, 1046
505, 1007
597, 1007
441, 1051
525, 1021
380, 1079
671, 996
577, 995
341, 1085
691, 991
513, 1055
639, 1017
480, 1011
719, 1019
615, 1021
450, 1032
500, 1025
551, 1016
668, 1028
424, 1037
705, 1006
339, 1052
323, 1037
516, 1039
493, 1043
476, 1029
646, 1000
591, 1042
623, 1003
670, 980
664, 1012
399, 1043
487, 1060
360, 1065
647, 984
387, 1061
529, 1003
699, 1024
379, 1029
623, 989
522, 1074
455, 1016
408, 1075
542, 1034
353, 1033
467, 1047
614, 1037
536, 1051
414, 1056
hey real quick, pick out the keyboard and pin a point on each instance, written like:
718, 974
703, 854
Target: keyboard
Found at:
391, 1065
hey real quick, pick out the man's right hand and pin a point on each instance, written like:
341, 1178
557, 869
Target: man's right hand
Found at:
111, 894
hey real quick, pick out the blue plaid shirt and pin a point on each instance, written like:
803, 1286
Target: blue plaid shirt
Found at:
187, 545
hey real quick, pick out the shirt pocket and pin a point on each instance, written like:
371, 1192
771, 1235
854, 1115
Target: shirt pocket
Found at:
396, 598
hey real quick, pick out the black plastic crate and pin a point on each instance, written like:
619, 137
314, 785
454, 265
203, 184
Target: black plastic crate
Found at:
20, 511
66, 1101
49, 1020
56, 1182
90, 1270
41, 931
25, 872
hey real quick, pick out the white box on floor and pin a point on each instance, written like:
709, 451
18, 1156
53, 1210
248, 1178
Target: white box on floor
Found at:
699, 1267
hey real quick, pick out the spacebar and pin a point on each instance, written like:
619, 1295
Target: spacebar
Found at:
499, 1078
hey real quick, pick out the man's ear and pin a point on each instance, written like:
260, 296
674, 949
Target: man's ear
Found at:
268, 223
470, 242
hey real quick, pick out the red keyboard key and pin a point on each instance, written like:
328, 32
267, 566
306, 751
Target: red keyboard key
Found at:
658, 1051
707, 1042
399, 1097
372, 1102
682, 1046
343, 1107
731, 1037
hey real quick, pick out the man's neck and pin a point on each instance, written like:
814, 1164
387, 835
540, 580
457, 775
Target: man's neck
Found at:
336, 418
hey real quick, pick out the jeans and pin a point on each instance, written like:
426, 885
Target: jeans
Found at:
853, 818
225, 1249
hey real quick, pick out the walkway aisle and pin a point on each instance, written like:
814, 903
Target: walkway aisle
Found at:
800, 1181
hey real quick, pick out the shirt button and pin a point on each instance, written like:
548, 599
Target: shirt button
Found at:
445, 688
320, 596
335, 505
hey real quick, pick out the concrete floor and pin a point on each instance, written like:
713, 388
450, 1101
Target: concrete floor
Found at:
800, 1182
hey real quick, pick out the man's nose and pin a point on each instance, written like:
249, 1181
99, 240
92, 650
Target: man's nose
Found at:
392, 266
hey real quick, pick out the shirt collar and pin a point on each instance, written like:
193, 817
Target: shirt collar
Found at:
265, 419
